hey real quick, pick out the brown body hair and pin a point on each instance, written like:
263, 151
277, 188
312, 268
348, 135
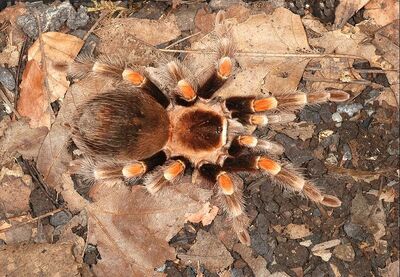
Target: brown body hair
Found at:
125, 124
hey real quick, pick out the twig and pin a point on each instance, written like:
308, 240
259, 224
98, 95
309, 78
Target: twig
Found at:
21, 55
266, 55
91, 30
357, 70
181, 40
362, 82
5, 99
30, 220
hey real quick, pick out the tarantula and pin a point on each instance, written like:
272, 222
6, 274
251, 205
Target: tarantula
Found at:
141, 133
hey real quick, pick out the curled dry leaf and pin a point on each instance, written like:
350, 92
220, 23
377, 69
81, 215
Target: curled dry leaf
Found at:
346, 9
281, 33
33, 101
58, 49
209, 251
387, 195
152, 32
39, 260
131, 228
206, 215
258, 265
19, 138
297, 231
382, 11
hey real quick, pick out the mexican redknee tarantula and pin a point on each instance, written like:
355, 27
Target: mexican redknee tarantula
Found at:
156, 137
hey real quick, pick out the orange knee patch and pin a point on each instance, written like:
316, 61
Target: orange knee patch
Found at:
176, 168
248, 141
133, 77
225, 182
269, 165
186, 90
133, 170
225, 67
265, 104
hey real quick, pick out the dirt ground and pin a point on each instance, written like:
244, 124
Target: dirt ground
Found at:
351, 150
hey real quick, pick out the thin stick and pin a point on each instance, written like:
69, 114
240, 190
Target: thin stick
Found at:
30, 220
265, 55
357, 70
5, 99
362, 82
181, 40
91, 30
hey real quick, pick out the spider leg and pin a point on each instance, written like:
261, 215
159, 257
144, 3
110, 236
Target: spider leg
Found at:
283, 175
260, 119
168, 174
114, 67
288, 102
255, 145
222, 69
230, 196
132, 171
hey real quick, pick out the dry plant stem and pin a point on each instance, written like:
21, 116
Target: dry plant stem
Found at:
91, 30
30, 220
17, 75
5, 99
181, 40
266, 55
357, 70
362, 82
43, 59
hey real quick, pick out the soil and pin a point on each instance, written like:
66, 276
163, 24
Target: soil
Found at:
366, 142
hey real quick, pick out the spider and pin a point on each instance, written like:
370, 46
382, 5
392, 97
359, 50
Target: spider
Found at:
143, 134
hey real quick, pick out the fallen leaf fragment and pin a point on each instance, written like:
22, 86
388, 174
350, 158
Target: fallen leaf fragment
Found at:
39, 260
346, 9
33, 101
131, 228
209, 251
382, 11
280, 33
206, 215
19, 138
153, 32
58, 49
258, 265
321, 249
387, 195
295, 130
297, 231
391, 270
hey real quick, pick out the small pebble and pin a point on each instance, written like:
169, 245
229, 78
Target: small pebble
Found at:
7, 79
60, 218
350, 109
344, 252
337, 117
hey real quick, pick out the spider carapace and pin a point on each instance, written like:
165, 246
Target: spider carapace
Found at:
142, 134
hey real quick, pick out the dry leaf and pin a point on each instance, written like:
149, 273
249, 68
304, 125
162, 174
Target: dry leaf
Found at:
346, 9
391, 270
387, 195
39, 260
58, 49
357, 175
15, 189
206, 215
282, 32
258, 265
131, 228
19, 138
33, 101
296, 231
373, 218
209, 251
386, 41
321, 249
152, 32
382, 12
295, 130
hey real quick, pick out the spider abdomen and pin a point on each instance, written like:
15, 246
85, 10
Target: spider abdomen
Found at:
121, 124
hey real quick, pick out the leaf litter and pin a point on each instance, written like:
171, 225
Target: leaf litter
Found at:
130, 229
